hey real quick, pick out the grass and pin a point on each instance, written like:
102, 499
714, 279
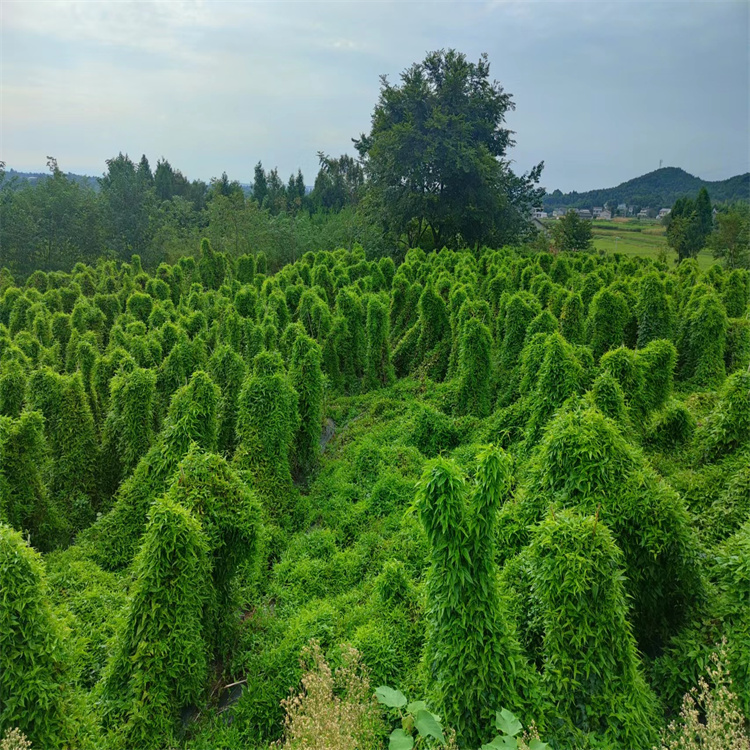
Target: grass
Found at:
646, 238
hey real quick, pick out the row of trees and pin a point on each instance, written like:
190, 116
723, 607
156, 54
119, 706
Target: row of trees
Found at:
693, 226
432, 171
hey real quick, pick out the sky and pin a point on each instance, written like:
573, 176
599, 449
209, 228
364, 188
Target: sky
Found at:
604, 92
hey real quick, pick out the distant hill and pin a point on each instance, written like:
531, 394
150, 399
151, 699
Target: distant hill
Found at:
658, 189
18, 178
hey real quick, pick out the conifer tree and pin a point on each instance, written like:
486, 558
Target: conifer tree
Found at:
606, 322
471, 652
433, 346
590, 660
266, 425
228, 371
24, 500
306, 377
12, 388
653, 310
32, 663
129, 427
475, 372
560, 376
727, 428
736, 293
379, 371
113, 540
161, 660
207, 486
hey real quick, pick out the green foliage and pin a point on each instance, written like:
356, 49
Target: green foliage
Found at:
128, 430
727, 428
472, 654
590, 660
32, 658
434, 157
267, 422
228, 371
702, 341
653, 310
24, 500
606, 322
584, 463
379, 372
474, 386
306, 378
671, 427
113, 539
12, 388
161, 661
433, 432
571, 233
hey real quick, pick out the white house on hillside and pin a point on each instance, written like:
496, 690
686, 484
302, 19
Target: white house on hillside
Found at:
663, 212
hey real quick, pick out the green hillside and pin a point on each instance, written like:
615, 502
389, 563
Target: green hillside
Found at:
657, 189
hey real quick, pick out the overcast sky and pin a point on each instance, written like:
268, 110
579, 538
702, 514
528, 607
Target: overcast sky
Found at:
603, 92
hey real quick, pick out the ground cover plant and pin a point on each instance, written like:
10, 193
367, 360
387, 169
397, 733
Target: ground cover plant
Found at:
247, 509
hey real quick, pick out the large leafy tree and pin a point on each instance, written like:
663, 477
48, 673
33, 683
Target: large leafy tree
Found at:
435, 156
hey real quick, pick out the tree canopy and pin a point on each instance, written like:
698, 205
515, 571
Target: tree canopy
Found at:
435, 156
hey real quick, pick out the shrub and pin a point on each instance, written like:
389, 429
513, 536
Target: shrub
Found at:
583, 463
591, 666
727, 427
334, 709
161, 661
471, 654
474, 388
114, 538
653, 310
606, 321
306, 378
228, 371
672, 427
710, 718
379, 371
32, 662
433, 432
266, 425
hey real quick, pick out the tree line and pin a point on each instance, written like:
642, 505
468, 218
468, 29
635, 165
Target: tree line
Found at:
433, 171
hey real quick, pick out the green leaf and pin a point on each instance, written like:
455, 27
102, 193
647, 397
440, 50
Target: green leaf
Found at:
400, 740
416, 706
538, 745
507, 723
502, 742
390, 697
428, 726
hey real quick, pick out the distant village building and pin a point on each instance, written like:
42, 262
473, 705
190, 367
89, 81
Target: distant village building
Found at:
537, 213
663, 212
584, 213
598, 211
605, 214
622, 208
558, 213
643, 213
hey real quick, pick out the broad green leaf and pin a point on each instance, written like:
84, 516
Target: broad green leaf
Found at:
390, 697
502, 742
416, 706
538, 745
400, 740
507, 723
428, 726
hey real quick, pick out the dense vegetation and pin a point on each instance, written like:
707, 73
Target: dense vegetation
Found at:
508, 480
657, 189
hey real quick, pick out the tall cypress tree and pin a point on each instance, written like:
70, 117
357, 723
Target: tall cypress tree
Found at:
306, 377
379, 368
